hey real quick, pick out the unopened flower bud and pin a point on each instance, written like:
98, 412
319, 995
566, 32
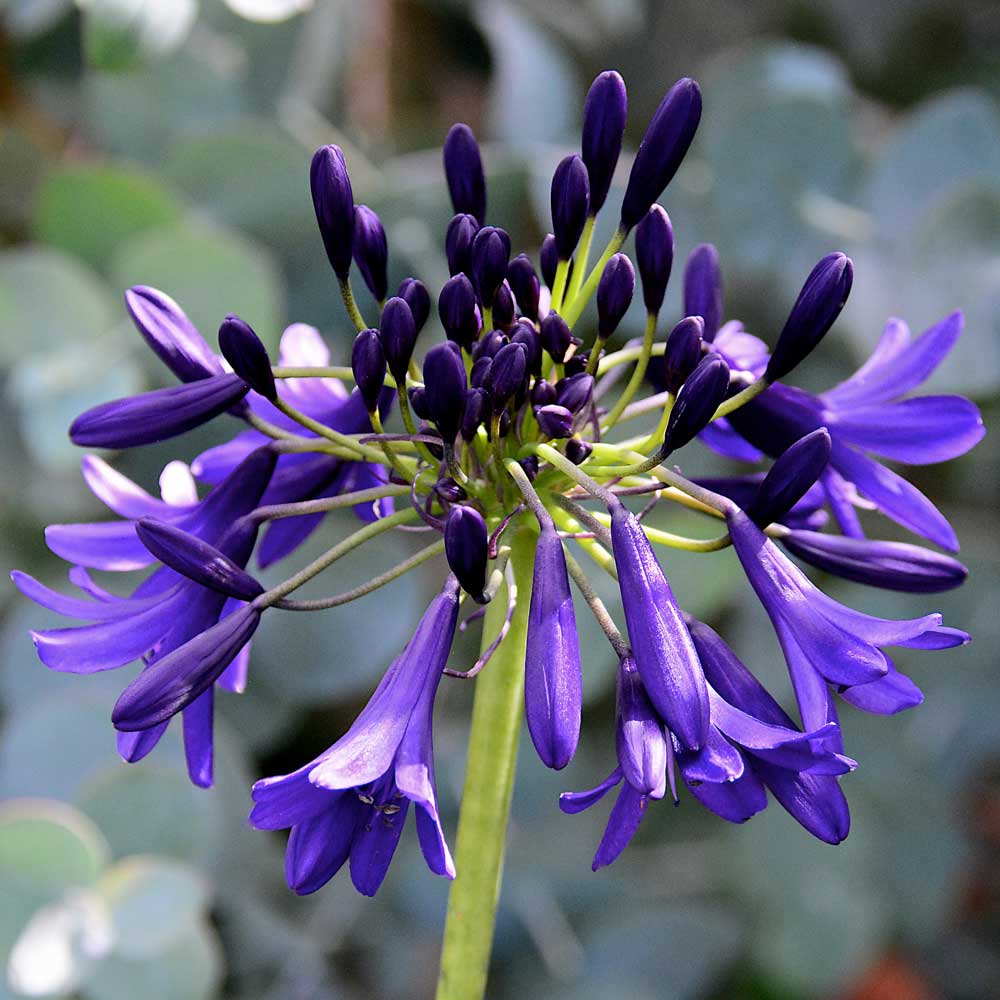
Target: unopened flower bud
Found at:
414, 293
554, 421
368, 365
490, 256
243, 349
703, 288
614, 294
557, 338
525, 333
542, 393
418, 402
444, 381
683, 352
549, 257
662, 149
477, 411
458, 243
603, 126
523, 283
371, 251
654, 255
399, 336
575, 391
488, 345
465, 547
699, 397
787, 481
457, 309
578, 451
570, 197
507, 373
333, 201
818, 305
503, 307
463, 168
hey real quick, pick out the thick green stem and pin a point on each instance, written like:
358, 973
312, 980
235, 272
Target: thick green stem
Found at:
489, 783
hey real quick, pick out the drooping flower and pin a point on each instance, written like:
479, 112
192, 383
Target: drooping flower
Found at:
351, 801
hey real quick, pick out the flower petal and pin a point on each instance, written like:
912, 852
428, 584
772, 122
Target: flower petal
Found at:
120, 494
198, 742
132, 747
816, 802
735, 801
890, 694
626, 815
288, 800
575, 802
375, 842
319, 846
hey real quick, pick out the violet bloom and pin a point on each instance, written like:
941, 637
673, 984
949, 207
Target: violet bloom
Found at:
824, 641
866, 415
664, 654
553, 684
351, 801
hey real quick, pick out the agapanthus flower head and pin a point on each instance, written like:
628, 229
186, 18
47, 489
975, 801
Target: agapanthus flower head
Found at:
507, 451
604, 114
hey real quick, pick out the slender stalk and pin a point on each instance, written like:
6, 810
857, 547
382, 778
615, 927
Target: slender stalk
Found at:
581, 258
352, 306
338, 372
598, 608
489, 784
322, 505
753, 390
559, 285
342, 440
638, 374
572, 310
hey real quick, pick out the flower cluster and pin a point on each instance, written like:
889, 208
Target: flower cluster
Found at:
509, 432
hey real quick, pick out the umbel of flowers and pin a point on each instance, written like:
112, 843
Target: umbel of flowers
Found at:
515, 448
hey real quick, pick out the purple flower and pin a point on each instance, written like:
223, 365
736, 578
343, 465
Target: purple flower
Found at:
664, 654
866, 414
351, 801
553, 685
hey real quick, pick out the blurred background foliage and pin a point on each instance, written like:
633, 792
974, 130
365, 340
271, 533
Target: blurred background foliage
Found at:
167, 142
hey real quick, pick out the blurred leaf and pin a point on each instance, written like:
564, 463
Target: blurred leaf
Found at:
152, 808
119, 34
210, 271
190, 969
47, 300
153, 901
20, 167
88, 210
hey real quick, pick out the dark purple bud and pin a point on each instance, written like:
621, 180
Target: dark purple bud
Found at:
371, 251
503, 307
575, 391
818, 305
399, 336
476, 412
662, 149
444, 380
889, 565
542, 393
788, 480
157, 415
554, 421
458, 243
418, 402
504, 423
654, 254
507, 373
168, 331
457, 309
530, 466
449, 491
334, 204
490, 256
463, 168
577, 364
171, 683
557, 338
553, 685
702, 392
489, 344
368, 365
480, 370
525, 333
197, 560
603, 126
523, 283
242, 348
639, 740
414, 293
703, 288
570, 197
614, 294
465, 541
683, 352
550, 260
578, 451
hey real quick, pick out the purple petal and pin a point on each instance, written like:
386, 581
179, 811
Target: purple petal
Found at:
214, 464
663, 650
640, 744
839, 493
108, 545
735, 801
814, 801
917, 431
891, 694
120, 494
941, 637
132, 747
319, 846
76, 607
722, 439
894, 496
553, 685
575, 802
198, 741
626, 815
375, 842
289, 799
718, 760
